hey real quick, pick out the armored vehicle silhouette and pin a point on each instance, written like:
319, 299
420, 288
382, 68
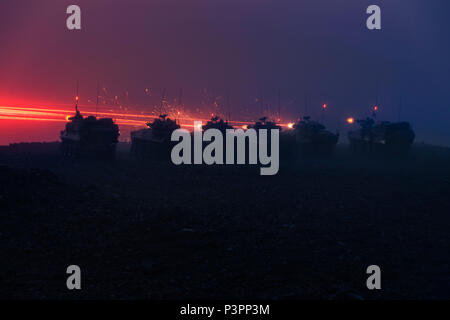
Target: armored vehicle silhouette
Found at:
312, 138
217, 123
384, 137
155, 141
264, 124
89, 137
286, 137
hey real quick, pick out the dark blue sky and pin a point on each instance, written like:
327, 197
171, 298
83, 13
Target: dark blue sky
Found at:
316, 47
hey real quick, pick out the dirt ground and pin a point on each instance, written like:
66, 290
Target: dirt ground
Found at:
150, 230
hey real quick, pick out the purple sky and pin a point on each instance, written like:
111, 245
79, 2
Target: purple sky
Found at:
250, 47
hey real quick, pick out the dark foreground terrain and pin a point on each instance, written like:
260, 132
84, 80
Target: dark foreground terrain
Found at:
155, 231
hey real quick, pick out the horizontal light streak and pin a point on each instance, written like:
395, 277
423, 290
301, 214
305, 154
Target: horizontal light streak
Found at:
124, 119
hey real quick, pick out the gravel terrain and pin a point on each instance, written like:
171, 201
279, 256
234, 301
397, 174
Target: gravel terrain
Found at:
150, 230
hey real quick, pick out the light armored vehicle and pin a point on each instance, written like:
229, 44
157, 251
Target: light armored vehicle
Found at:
217, 123
154, 141
312, 138
381, 137
89, 137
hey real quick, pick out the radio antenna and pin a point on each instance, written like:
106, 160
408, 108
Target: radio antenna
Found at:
96, 104
77, 97
162, 101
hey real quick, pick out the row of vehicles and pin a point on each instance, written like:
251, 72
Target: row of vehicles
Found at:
92, 137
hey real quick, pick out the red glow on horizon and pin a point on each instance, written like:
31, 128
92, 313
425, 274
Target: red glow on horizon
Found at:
24, 117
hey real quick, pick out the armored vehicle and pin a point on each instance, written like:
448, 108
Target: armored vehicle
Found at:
286, 137
89, 137
155, 141
217, 123
264, 124
312, 138
384, 137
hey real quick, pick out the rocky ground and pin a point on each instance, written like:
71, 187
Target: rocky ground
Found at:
149, 230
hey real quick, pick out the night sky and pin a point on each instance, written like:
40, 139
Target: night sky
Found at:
250, 48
